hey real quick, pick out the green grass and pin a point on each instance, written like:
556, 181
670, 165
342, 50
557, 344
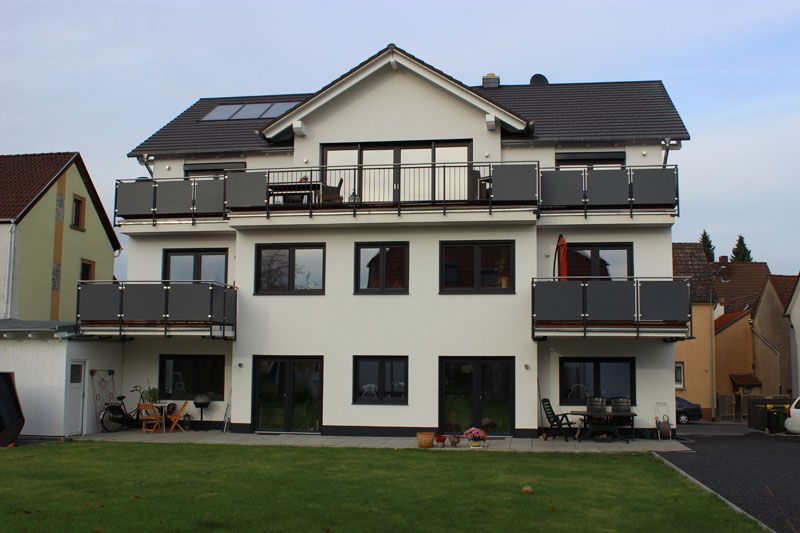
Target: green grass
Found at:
86, 486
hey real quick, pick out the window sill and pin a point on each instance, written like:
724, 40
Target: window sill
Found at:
481, 291
379, 292
380, 402
77, 228
290, 293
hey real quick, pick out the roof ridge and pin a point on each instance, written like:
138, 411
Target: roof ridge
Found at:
568, 83
68, 152
286, 95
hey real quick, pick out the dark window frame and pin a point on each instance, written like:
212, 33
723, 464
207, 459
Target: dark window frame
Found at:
196, 254
396, 146
476, 258
78, 218
680, 385
214, 396
383, 245
291, 247
590, 159
92, 269
596, 247
596, 375
382, 360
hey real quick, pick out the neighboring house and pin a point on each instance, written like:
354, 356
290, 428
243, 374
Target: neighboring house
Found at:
53, 232
738, 285
693, 358
793, 314
377, 257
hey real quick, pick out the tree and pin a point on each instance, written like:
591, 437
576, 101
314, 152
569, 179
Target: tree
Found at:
741, 253
708, 246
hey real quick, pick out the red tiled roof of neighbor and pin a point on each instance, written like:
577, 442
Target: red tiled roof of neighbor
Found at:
727, 319
784, 286
744, 284
746, 379
23, 177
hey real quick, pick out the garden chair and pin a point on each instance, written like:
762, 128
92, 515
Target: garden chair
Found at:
151, 419
557, 422
173, 419
622, 405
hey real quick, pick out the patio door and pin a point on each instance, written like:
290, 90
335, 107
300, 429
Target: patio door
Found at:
476, 392
287, 394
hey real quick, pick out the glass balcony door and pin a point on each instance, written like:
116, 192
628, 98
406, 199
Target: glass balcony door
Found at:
476, 392
288, 394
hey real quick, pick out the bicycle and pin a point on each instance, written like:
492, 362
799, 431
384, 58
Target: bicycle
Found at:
115, 415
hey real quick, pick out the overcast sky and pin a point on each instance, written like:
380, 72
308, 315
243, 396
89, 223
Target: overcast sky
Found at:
100, 77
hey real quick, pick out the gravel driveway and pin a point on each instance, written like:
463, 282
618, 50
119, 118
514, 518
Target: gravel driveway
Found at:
758, 472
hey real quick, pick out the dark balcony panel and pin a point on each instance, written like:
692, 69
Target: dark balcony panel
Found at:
135, 199
209, 197
666, 301
561, 188
558, 301
230, 306
217, 304
99, 303
607, 187
514, 183
174, 198
143, 302
246, 190
611, 301
655, 186
189, 302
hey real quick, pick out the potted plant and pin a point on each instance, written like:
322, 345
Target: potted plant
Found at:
151, 395
440, 440
425, 439
475, 436
455, 438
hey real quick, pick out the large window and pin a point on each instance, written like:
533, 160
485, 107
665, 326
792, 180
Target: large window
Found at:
196, 265
600, 260
182, 377
381, 268
290, 269
485, 266
582, 378
380, 379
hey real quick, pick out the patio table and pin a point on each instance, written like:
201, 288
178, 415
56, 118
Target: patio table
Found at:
309, 189
607, 426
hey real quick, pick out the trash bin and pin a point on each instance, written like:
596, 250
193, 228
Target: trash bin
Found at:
757, 417
775, 420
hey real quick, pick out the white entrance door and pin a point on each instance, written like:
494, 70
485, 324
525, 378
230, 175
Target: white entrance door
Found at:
76, 391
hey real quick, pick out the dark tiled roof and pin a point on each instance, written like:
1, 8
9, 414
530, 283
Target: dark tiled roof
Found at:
186, 133
749, 380
723, 321
744, 284
689, 259
784, 286
562, 112
604, 111
24, 177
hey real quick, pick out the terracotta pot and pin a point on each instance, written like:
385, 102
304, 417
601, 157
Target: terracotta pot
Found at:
425, 439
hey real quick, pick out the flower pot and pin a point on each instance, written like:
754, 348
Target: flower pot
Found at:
425, 439
474, 444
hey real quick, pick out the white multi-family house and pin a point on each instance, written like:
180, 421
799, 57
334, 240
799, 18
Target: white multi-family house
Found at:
382, 256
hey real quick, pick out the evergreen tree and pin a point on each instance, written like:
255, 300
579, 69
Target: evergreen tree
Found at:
741, 253
708, 246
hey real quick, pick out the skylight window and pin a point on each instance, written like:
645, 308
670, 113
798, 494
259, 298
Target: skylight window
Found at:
278, 109
251, 111
222, 112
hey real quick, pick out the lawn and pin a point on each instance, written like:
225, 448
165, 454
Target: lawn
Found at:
90, 486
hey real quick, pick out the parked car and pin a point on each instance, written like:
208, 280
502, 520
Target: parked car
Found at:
687, 411
792, 423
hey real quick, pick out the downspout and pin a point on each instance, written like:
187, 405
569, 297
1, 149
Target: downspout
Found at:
666, 151
143, 162
10, 270
777, 352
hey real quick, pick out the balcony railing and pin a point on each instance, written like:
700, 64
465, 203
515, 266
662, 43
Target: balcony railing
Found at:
442, 185
649, 307
199, 308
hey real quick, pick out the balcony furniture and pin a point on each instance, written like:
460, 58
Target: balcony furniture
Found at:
175, 418
620, 407
514, 183
557, 422
296, 192
331, 194
152, 421
201, 401
598, 420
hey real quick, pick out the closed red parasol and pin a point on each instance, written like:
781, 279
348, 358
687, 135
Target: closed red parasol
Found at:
561, 258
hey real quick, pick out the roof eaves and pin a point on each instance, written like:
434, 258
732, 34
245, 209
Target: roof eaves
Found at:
46, 188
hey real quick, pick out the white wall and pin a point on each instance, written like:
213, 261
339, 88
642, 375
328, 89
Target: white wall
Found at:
39, 368
101, 355
5, 251
655, 371
794, 340
422, 325
146, 252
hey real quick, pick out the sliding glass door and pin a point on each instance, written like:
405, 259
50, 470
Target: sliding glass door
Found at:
476, 392
287, 394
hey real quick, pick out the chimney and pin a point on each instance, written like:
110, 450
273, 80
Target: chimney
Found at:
723, 260
723, 268
491, 81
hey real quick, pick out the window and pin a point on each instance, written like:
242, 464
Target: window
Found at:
382, 268
600, 260
590, 159
380, 380
196, 265
182, 377
679, 377
467, 267
290, 269
582, 378
78, 220
87, 270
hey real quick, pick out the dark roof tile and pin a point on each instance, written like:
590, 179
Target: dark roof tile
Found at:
742, 286
689, 259
24, 176
784, 286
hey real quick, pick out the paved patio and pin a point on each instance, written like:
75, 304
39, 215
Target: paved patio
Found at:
500, 444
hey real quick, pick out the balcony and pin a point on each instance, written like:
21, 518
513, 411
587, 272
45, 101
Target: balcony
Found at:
442, 186
619, 307
128, 308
